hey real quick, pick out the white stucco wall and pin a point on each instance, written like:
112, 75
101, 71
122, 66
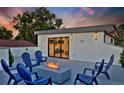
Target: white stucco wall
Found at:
4, 55
83, 47
18, 51
107, 50
94, 50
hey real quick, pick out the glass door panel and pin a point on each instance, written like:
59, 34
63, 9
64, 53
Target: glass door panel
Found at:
51, 47
65, 47
57, 48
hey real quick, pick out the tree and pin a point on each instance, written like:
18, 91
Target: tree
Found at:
38, 20
5, 34
11, 58
122, 59
120, 41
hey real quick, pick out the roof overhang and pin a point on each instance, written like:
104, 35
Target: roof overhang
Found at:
113, 33
99, 28
15, 43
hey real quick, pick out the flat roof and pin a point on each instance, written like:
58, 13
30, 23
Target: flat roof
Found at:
98, 28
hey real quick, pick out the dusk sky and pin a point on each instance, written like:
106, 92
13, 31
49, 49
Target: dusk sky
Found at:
72, 17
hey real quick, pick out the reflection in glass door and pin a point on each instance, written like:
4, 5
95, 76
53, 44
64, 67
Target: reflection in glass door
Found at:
65, 47
58, 47
51, 47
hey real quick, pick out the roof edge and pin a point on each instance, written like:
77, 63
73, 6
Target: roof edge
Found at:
84, 29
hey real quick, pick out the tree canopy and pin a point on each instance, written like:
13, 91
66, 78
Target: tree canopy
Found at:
37, 20
120, 41
5, 33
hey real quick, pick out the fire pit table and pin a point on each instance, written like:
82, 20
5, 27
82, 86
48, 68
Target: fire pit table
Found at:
58, 75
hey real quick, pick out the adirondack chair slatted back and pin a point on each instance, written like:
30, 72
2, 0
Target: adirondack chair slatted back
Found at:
26, 59
6, 68
24, 73
38, 55
110, 63
99, 69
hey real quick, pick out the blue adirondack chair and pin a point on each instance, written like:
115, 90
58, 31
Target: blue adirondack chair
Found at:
89, 79
106, 66
39, 57
25, 74
27, 60
13, 76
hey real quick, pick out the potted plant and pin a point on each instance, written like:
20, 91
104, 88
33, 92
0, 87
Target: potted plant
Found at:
122, 58
11, 59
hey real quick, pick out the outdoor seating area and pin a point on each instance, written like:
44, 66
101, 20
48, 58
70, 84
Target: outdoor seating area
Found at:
86, 79
68, 72
81, 55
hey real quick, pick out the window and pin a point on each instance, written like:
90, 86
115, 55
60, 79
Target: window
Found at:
108, 39
58, 47
111, 40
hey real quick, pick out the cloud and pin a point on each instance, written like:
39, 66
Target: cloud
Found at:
94, 16
89, 11
8, 25
108, 16
73, 20
6, 17
78, 17
9, 12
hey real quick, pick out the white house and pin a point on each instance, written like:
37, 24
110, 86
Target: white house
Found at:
92, 43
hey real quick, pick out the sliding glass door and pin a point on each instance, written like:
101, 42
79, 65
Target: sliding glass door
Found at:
58, 47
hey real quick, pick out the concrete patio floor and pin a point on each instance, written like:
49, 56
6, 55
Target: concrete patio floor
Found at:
116, 73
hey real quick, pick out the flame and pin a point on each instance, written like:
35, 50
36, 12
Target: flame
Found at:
53, 65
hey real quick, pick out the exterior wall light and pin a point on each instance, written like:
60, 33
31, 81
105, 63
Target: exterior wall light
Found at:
96, 35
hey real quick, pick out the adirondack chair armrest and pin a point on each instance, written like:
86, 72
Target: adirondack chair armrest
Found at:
13, 70
44, 58
34, 65
27, 67
89, 69
33, 59
35, 73
80, 74
97, 64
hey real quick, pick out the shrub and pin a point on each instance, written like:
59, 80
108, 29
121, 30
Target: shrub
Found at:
122, 58
11, 59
